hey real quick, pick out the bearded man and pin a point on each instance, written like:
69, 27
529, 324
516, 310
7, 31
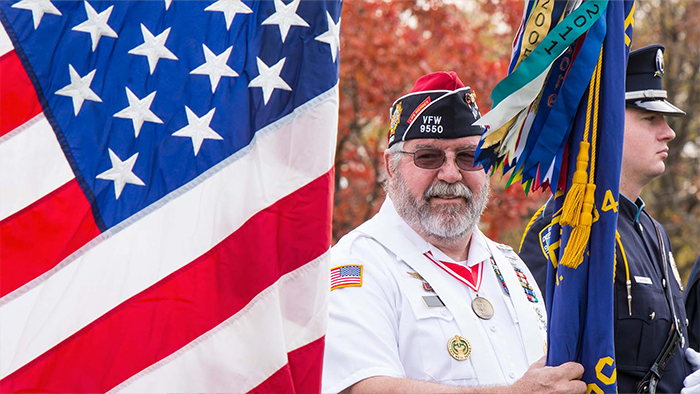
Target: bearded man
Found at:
421, 300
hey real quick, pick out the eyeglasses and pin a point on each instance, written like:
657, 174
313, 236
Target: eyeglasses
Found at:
433, 158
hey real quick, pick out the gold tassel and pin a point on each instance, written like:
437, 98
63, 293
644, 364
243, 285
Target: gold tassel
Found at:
571, 209
581, 219
578, 240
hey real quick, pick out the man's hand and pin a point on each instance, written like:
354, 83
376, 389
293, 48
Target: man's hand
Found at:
542, 379
691, 384
564, 379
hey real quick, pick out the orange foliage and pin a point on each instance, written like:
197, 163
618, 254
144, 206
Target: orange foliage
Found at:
385, 47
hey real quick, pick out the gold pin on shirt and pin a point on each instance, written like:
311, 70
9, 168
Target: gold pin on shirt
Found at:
459, 348
415, 275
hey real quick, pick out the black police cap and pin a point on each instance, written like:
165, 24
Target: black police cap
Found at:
644, 88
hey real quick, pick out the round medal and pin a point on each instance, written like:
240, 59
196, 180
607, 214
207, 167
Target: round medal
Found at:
482, 307
459, 348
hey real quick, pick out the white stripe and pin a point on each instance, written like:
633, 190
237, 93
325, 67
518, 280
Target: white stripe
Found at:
423, 92
250, 346
5, 42
550, 172
144, 249
512, 105
32, 165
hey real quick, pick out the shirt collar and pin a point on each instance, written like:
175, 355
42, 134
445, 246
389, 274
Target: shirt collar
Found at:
630, 209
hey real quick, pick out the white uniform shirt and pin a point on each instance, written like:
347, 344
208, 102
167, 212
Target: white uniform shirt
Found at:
384, 328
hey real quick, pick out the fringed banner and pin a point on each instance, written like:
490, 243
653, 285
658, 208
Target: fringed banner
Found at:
546, 129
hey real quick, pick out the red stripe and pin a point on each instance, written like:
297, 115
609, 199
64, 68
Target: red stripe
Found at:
333, 276
307, 364
348, 280
188, 303
18, 100
279, 382
301, 375
35, 239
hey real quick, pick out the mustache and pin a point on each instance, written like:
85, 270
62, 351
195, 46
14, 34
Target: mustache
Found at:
448, 189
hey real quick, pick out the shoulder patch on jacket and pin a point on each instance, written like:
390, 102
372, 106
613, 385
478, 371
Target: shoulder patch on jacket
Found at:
346, 276
544, 237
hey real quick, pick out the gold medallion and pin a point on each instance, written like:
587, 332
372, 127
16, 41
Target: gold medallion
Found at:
482, 307
459, 348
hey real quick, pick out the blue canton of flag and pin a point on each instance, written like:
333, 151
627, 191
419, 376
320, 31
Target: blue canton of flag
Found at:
165, 209
352, 270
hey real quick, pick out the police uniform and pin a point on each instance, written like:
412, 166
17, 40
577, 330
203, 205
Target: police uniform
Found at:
642, 330
390, 325
692, 306
648, 292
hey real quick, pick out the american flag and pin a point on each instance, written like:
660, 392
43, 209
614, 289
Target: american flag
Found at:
345, 276
166, 175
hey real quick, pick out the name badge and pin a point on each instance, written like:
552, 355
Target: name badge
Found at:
643, 280
433, 301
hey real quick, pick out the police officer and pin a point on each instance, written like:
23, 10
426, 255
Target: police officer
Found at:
650, 326
421, 300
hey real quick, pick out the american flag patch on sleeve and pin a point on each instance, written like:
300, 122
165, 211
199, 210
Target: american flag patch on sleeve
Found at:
346, 276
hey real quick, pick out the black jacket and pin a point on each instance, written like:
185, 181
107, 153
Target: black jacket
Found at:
692, 306
641, 332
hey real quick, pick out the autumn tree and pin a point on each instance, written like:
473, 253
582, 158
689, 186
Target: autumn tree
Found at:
385, 47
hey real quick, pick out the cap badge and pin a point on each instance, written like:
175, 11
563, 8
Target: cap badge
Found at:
395, 117
470, 98
659, 63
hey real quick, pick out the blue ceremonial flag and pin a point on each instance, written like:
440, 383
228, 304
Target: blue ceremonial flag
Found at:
166, 172
581, 300
564, 129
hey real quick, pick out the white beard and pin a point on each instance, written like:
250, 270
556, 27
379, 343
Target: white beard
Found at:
449, 222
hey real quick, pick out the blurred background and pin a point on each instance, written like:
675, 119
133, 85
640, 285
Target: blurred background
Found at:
387, 45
